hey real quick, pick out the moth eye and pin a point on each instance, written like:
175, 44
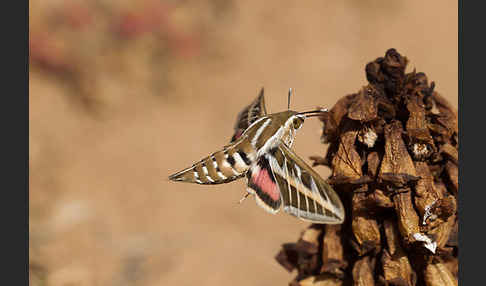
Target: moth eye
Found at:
298, 123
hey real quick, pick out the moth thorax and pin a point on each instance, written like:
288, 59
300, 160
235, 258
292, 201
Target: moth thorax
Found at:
273, 141
285, 133
293, 124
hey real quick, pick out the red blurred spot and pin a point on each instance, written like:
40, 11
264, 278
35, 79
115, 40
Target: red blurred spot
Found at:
148, 20
76, 15
154, 18
48, 55
185, 45
131, 24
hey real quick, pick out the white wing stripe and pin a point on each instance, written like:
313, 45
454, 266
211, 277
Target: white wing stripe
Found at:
221, 175
276, 168
298, 197
288, 180
196, 177
315, 192
215, 165
239, 161
304, 189
205, 170
259, 132
227, 165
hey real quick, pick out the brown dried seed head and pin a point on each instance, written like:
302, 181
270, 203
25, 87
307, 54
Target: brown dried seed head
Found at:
392, 148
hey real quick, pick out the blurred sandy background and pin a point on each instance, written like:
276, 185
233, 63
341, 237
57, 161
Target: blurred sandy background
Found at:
124, 93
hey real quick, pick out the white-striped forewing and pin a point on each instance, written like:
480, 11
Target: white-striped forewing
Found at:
305, 194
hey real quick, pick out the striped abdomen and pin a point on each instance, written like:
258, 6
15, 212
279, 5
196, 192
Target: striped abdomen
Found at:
220, 167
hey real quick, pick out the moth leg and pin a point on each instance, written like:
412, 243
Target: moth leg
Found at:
244, 197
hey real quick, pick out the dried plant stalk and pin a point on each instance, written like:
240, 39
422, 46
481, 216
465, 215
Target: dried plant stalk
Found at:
394, 160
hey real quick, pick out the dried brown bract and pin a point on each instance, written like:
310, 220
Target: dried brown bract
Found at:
332, 251
363, 272
437, 273
346, 163
393, 151
365, 227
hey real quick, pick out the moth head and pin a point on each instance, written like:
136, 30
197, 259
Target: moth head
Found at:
292, 120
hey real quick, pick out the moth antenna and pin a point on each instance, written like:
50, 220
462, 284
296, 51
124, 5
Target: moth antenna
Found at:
288, 101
